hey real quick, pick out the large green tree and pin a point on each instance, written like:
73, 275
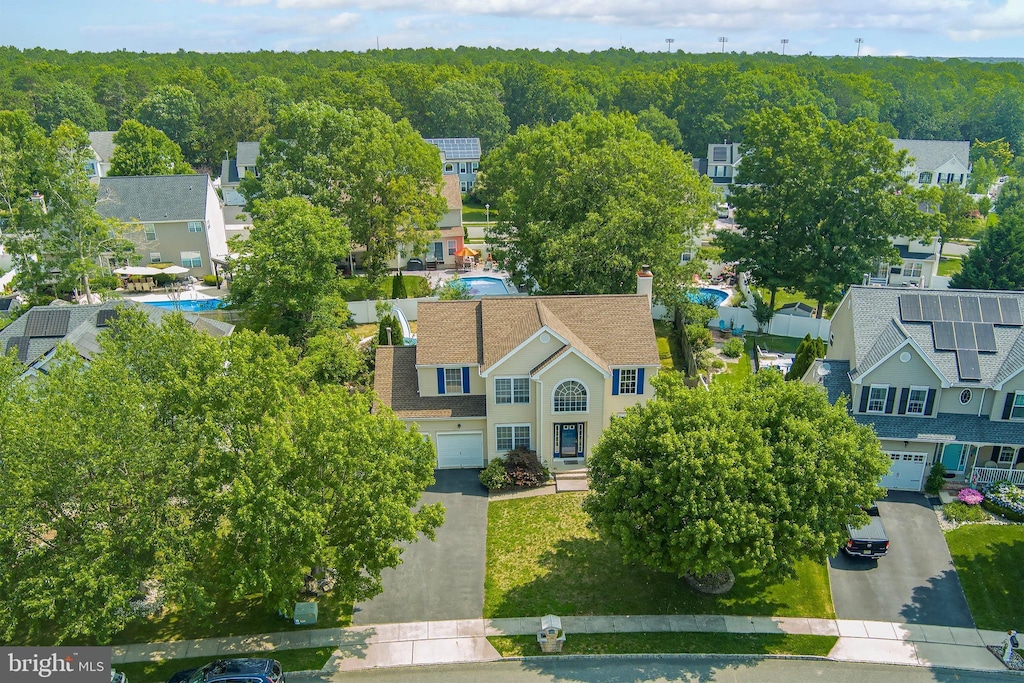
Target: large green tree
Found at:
998, 260
141, 150
462, 108
289, 262
585, 203
379, 177
959, 213
757, 475
818, 202
212, 466
69, 102
174, 110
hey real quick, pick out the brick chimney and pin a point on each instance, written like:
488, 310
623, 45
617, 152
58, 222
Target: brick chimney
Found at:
645, 283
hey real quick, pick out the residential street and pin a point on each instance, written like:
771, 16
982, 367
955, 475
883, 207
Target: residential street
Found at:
914, 583
443, 579
663, 669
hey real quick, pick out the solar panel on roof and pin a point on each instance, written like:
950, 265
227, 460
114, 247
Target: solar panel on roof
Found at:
21, 344
942, 333
47, 322
970, 308
910, 308
986, 336
1011, 311
950, 306
965, 336
930, 307
970, 367
104, 316
990, 310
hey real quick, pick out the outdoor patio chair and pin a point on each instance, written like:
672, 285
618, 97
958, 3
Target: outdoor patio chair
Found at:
721, 326
487, 265
738, 331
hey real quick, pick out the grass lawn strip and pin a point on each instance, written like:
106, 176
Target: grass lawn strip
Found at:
989, 560
672, 643
543, 559
309, 659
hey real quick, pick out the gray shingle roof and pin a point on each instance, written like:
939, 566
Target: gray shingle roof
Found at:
931, 154
150, 199
905, 253
875, 315
397, 387
102, 142
81, 329
969, 428
247, 153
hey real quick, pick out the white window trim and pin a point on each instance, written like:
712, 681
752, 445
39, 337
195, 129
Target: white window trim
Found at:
451, 245
924, 403
147, 229
885, 398
570, 412
1006, 450
512, 390
154, 257
198, 226
447, 385
622, 380
1017, 396
912, 269
512, 426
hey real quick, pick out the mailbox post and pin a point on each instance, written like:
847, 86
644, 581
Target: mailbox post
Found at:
551, 637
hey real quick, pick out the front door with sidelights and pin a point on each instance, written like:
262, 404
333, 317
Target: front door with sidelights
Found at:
569, 439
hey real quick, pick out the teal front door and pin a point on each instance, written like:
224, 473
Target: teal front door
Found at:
954, 457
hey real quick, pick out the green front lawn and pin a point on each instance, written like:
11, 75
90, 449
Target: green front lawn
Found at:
669, 351
543, 559
950, 265
772, 342
671, 643
309, 659
735, 373
989, 560
359, 288
477, 213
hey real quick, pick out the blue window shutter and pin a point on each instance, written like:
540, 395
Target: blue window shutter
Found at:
864, 392
640, 380
1008, 406
929, 402
440, 381
890, 399
904, 397
465, 380
615, 382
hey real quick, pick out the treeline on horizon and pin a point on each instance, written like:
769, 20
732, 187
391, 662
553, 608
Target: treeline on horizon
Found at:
206, 102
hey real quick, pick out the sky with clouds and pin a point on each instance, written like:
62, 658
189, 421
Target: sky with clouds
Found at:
939, 28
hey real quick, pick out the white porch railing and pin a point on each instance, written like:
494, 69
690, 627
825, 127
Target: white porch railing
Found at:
987, 475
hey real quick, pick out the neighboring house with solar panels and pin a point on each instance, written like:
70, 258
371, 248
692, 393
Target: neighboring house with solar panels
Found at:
34, 336
936, 162
459, 157
178, 217
940, 377
546, 373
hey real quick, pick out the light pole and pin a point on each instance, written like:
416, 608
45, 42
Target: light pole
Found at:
859, 41
723, 40
670, 41
487, 214
785, 42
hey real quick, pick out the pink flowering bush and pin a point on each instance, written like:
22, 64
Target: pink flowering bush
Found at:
970, 497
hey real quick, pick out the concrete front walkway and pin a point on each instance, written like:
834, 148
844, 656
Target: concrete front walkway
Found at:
460, 641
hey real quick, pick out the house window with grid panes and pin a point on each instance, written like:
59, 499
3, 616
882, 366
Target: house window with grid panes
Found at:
876, 398
912, 268
916, 401
154, 257
1006, 454
1017, 412
191, 259
451, 247
509, 390
627, 381
195, 226
453, 380
511, 437
150, 231
570, 397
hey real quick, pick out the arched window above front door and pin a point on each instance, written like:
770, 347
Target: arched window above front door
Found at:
570, 397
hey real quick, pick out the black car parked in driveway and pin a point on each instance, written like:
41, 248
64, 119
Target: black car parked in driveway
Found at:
233, 671
869, 540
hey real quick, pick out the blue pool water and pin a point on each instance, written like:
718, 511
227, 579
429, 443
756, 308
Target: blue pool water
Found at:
190, 305
479, 286
705, 293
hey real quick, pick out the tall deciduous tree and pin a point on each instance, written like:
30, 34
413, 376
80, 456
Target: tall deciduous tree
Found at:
818, 202
379, 177
461, 108
960, 215
762, 474
998, 260
585, 203
141, 150
175, 111
288, 263
69, 102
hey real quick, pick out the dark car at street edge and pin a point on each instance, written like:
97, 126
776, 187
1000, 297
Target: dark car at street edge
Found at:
246, 670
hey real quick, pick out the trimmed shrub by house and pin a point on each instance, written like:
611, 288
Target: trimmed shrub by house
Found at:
962, 512
494, 477
1003, 498
936, 479
733, 348
520, 467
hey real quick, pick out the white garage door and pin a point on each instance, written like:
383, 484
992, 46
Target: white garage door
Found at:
906, 471
460, 450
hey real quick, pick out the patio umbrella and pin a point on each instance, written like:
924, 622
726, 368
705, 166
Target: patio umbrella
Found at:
173, 270
138, 270
466, 251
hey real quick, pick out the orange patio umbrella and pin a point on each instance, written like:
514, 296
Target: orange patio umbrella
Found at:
466, 251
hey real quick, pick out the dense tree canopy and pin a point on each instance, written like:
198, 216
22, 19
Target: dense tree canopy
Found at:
760, 474
998, 260
141, 150
200, 463
818, 201
586, 202
175, 111
69, 102
467, 109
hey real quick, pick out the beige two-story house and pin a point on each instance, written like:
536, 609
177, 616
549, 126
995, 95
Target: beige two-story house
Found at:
176, 218
939, 376
547, 373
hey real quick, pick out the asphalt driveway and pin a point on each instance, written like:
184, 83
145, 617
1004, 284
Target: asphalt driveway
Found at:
443, 579
915, 582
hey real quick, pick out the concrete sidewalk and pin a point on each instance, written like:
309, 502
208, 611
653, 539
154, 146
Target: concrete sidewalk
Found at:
462, 641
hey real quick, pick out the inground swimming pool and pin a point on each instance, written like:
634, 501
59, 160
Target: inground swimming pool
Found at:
479, 286
703, 294
189, 305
